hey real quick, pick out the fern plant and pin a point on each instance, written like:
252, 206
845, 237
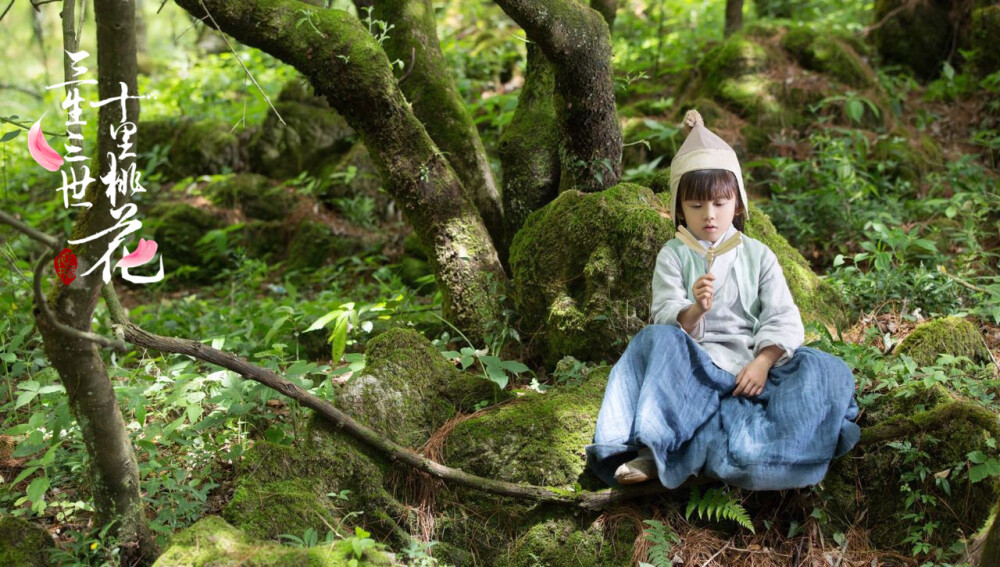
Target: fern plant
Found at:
663, 539
719, 505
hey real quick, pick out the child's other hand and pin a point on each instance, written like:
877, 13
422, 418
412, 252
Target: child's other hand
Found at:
704, 289
750, 381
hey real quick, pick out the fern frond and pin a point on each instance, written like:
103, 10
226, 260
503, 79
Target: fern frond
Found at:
718, 505
663, 538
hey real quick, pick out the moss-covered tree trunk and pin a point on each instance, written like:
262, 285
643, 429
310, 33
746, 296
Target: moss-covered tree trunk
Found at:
734, 17
607, 8
428, 85
345, 64
577, 41
113, 467
529, 148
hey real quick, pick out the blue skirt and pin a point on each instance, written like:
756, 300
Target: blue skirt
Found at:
666, 394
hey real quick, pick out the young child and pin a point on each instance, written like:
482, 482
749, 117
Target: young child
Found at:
720, 386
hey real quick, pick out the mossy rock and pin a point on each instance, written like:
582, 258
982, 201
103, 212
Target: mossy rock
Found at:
178, 227
212, 541
826, 53
407, 389
264, 239
301, 90
949, 335
313, 244
539, 439
196, 147
985, 31
915, 34
887, 458
309, 138
24, 544
257, 196
582, 267
565, 540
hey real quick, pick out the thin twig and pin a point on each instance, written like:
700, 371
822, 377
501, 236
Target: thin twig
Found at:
717, 553
7, 9
240, 61
34, 234
409, 68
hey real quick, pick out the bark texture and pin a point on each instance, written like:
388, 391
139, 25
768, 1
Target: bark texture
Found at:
734, 17
344, 63
577, 41
92, 399
529, 149
428, 85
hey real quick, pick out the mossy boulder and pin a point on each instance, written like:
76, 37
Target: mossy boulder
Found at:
178, 227
538, 439
918, 35
910, 453
212, 541
314, 243
826, 53
310, 137
24, 544
949, 335
257, 196
899, 156
408, 390
191, 147
583, 266
353, 176
985, 31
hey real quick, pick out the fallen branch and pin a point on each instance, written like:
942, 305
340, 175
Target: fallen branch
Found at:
130, 332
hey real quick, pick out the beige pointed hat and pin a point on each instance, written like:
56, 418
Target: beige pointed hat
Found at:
702, 149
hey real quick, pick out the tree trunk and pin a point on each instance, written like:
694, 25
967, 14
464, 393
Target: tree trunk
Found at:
92, 399
345, 64
428, 85
529, 148
734, 17
577, 42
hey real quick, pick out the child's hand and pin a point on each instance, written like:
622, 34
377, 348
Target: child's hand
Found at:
750, 381
704, 289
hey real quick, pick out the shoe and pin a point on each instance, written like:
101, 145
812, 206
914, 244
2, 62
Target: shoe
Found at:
639, 469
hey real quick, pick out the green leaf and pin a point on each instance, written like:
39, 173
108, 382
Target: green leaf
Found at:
855, 110
8, 357
322, 321
275, 328
25, 398
977, 457
338, 339
36, 490
514, 366
8, 136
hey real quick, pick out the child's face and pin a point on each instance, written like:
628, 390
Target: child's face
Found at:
709, 220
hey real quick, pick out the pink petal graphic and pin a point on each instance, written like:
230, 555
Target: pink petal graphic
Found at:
143, 253
41, 150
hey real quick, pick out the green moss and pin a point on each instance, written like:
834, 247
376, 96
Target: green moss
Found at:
309, 138
567, 541
196, 147
950, 335
352, 175
946, 433
826, 53
755, 139
816, 299
582, 267
24, 544
900, 158
270, 509
255, 195
211, 541
264, 239
735, 57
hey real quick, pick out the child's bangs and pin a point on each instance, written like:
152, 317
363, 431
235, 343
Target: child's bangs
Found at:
708, 185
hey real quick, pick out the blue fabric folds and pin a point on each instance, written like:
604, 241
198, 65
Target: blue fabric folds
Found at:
665, 393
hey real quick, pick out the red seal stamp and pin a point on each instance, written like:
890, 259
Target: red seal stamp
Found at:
66, 266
